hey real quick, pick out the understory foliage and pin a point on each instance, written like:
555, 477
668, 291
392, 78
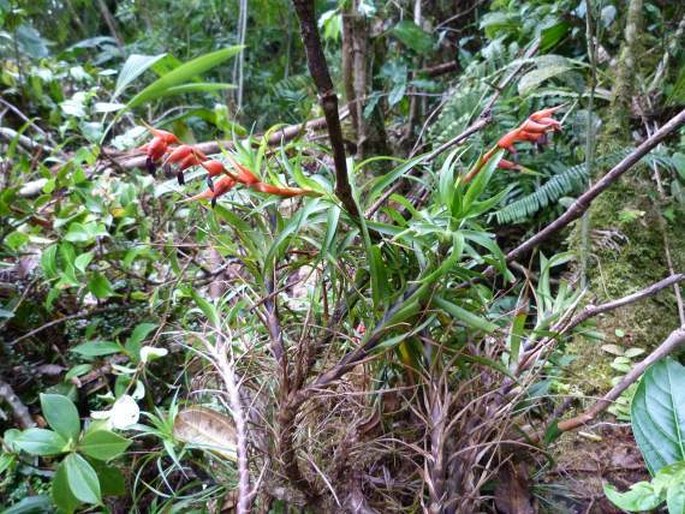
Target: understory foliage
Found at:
178, 342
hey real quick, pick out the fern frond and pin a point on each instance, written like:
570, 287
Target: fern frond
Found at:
564, 183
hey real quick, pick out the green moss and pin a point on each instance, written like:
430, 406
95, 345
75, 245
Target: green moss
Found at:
627, 254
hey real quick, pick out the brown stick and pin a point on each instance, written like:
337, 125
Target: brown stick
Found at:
591, 310
676, 338
20, 411
318, 69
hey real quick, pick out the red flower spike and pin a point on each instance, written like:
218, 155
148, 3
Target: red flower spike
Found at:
534, 129
244, 175
508, 165
545, 113
287, 192
168, 137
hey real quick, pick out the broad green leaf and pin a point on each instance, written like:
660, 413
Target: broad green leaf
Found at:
97, 348
40, 441
61, 492
658, 414
413, 36
532, 80
103, 444
134, 341
134, 66
100, 286
61, 414
638, 498
465, 316
183, 74
82, 479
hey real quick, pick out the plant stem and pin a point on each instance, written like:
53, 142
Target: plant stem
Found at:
318, 68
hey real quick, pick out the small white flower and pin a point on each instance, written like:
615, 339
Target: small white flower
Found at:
124, 413
150, 353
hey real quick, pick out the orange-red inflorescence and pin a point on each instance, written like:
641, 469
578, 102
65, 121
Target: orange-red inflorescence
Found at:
183, 156
534, 130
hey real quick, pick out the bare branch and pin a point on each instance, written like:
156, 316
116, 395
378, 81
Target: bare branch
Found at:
20, 411
675, 339
591, 310
318, 68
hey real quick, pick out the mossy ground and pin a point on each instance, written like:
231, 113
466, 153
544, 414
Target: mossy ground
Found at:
628, 255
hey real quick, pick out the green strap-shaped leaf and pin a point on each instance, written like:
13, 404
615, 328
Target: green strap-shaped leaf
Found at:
658, 415
134, 66
183, 74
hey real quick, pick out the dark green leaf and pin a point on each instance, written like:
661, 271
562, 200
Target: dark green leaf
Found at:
413, 36
465, 316
61, 414
111, 479
103, 444
82, 479
39, 441
100, 286
658, 414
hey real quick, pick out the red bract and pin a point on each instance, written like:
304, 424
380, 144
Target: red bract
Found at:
533, 130
280, 191
184, 156
508, 165
244, 175
215, 168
